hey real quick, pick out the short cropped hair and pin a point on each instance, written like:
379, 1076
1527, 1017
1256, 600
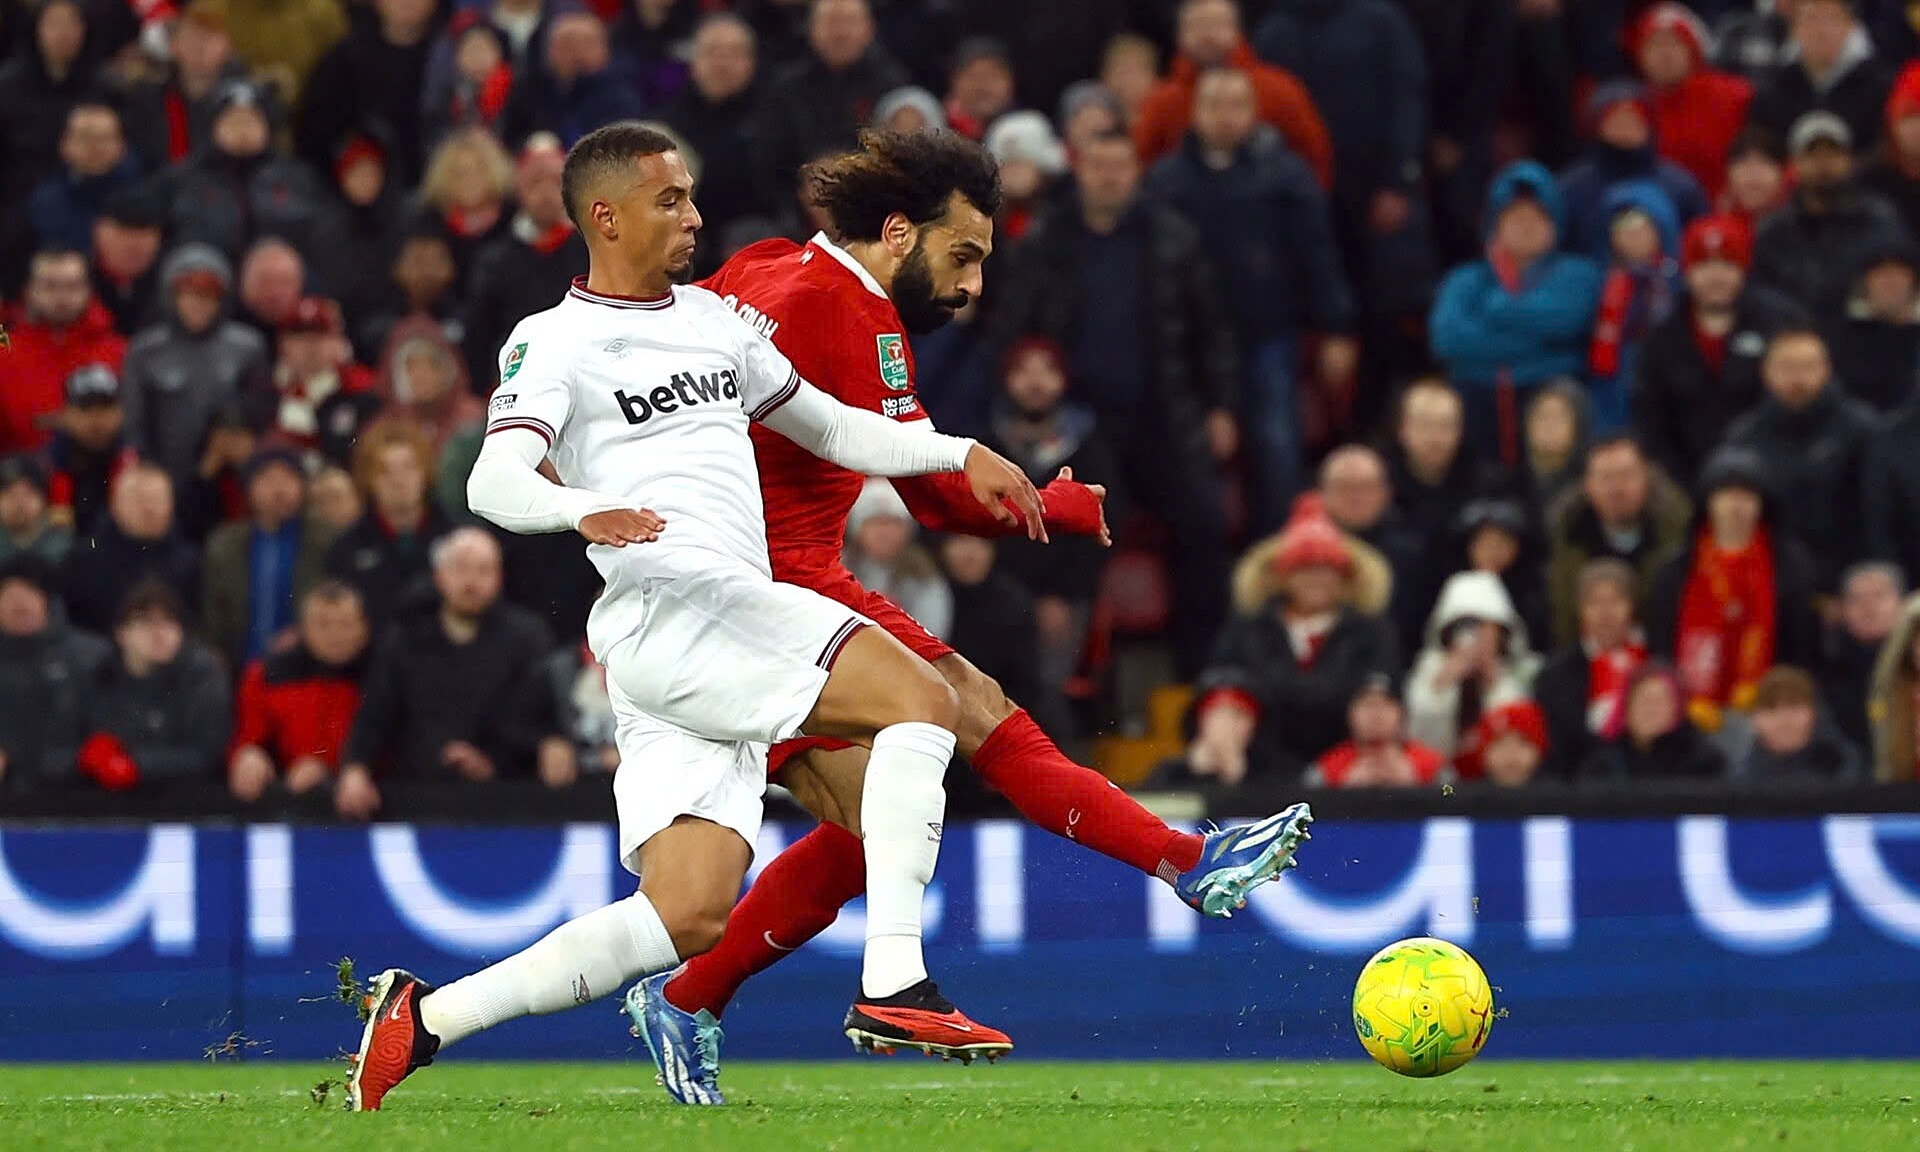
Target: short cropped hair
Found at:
913, 173
607, 148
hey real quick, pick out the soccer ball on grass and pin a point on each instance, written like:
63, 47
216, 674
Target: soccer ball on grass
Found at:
1422, 1007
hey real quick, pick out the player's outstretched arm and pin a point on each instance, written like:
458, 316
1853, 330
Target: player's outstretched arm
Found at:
873, 445
945, 503
506, 488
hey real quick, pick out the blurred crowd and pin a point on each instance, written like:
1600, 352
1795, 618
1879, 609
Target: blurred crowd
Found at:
1548, 366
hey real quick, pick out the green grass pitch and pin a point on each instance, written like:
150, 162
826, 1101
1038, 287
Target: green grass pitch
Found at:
915, 1104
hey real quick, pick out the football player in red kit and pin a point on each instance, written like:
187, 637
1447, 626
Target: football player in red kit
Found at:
912, 217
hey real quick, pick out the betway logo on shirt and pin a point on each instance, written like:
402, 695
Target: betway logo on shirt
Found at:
682, 390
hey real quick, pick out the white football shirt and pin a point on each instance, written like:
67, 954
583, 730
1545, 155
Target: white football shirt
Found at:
650, 399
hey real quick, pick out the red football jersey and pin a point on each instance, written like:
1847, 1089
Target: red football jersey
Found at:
827, 315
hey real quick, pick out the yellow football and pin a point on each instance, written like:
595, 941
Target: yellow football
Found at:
1422, 1007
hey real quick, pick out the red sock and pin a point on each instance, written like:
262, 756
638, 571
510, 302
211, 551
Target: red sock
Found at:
795, 898
1019, 762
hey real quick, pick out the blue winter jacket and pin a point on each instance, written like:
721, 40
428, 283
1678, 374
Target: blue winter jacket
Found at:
1480, 330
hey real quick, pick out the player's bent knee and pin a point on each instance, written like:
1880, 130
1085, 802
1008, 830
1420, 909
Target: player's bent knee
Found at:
929, 700
694, 924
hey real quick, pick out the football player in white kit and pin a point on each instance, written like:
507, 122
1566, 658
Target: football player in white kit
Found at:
638, 390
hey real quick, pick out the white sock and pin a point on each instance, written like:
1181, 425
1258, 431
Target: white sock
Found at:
581, 960
903, 804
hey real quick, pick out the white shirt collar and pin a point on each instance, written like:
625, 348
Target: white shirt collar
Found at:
821, 242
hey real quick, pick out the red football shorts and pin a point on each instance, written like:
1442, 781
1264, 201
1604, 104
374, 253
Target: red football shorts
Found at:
839, 584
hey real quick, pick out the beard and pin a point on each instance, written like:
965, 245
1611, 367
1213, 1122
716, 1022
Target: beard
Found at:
913, 295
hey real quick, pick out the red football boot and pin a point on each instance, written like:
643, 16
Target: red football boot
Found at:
394, 1042
921, 1019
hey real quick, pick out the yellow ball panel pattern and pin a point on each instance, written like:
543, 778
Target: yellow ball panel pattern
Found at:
1422, 1007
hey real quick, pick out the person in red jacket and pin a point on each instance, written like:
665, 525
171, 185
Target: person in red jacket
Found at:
296, 706
1210, 37
1379, 753
57, 327
1697, 111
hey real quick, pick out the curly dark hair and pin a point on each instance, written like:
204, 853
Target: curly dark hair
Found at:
912, 173
607, 148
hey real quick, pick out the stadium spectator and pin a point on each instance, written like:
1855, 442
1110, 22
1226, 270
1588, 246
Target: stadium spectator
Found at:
1657, 739
526, 268
1793, 739
454, 693
651, 39
240, 189
273, 279
367, 217
184, 371
159, 714
27, 524
979, 86
1894, 706
1814, 437
909, 109
135, 541
1122, 285
423, 379
423, 280
1265, 227
1508, 747
818, 103
1497, 535
882, 555
1622, 152
1468, 47
1557, 434
577, 85
169, 116
1870, 596
46, 669
995, 619
1377, 752
282, 40
296, 705
1129, 69
1876, 348
1641, 286
1756, 184
333, 499
1697, 110
1894, 171
585, 711
1700, 368
1357, 496
1506, 324
1305, 635
1477, 657
57, 327
48, 74
1037, 427
1088, 110
384, 555
1811, 249
1831, 67
714, 114
1626, 509
95, 164
369, 84
126, 257
1433, 478
470, 70
1209, 37
1580, 688
465, 191
1031, 159
89, 451
1739, 599
1755, 38
322, 399
257, 570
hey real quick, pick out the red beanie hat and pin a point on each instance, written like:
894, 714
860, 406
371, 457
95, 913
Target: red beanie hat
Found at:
1675, 18
1309, 542
1718, 237
1904, 100
1522, 718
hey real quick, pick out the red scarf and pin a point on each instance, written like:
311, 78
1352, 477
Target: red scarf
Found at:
1610, 325
549, 242
1607, 676
1726, 634
467, 223
1713, 349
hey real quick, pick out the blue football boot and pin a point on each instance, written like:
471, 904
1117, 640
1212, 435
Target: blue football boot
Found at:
685, 1045
1235, 861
